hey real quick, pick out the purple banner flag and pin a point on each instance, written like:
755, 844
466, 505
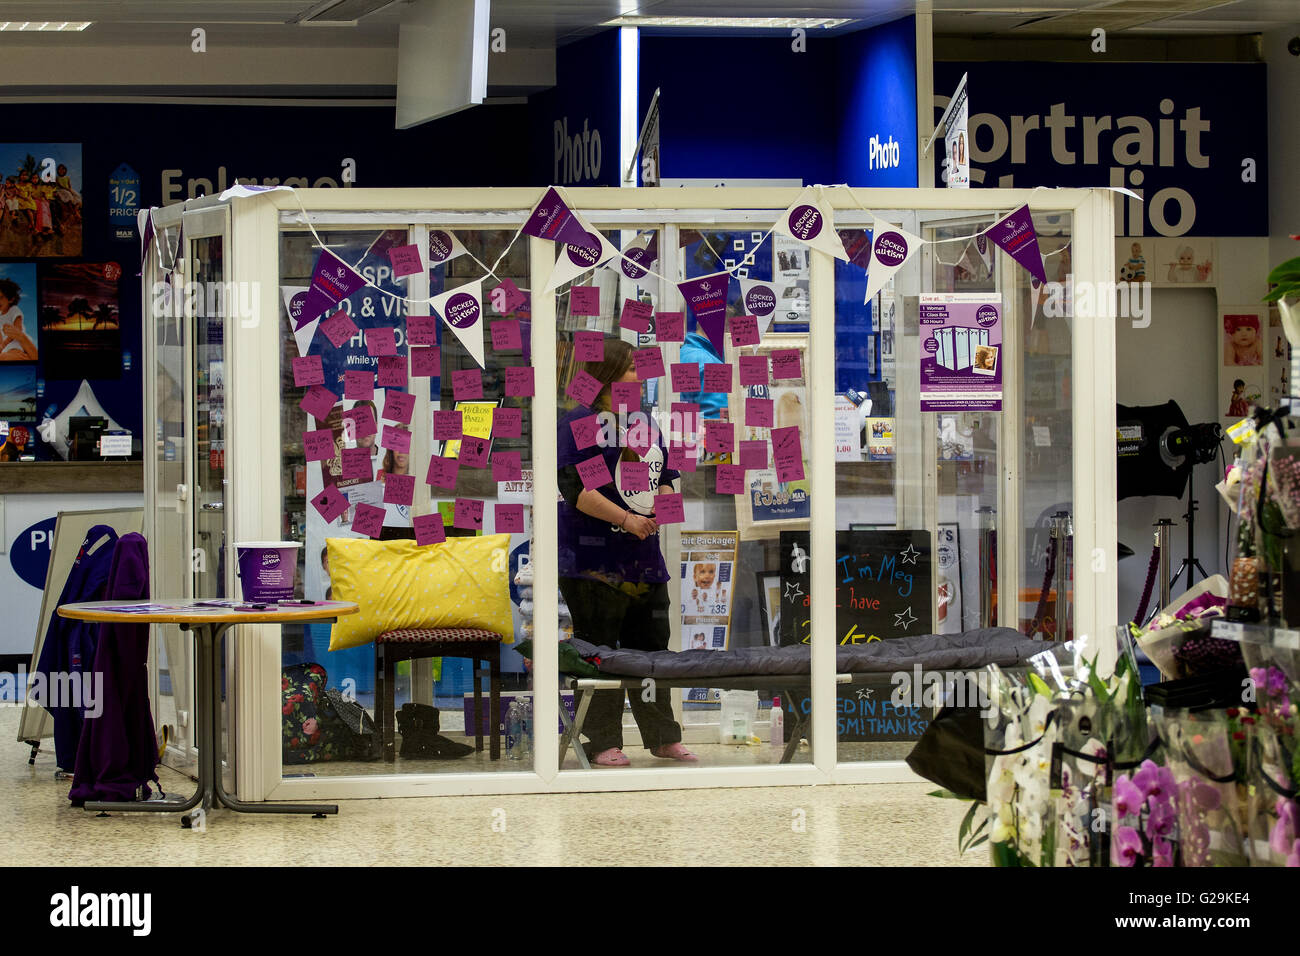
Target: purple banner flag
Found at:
332, 281
706, 297
553, 219
1015, 234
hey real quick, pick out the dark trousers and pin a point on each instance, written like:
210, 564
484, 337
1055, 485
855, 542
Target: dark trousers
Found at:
604, 615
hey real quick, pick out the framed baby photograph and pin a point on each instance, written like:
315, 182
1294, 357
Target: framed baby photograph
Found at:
1181, 261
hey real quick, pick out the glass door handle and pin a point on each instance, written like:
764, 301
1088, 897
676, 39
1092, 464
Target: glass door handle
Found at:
182, 495
214, 506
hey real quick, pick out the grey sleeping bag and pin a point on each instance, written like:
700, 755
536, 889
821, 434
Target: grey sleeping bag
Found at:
968, 650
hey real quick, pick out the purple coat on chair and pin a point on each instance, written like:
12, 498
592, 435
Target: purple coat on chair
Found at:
118, 752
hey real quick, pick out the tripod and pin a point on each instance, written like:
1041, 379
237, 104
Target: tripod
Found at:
1190, 562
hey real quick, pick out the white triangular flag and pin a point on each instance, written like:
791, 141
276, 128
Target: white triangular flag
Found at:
891, 247
443, 246
810, 221
758, 298
462, 310
301, 336
574, 260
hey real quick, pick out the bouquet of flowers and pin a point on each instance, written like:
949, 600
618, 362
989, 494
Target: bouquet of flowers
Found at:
1143, 808
1275, 749
1018, 795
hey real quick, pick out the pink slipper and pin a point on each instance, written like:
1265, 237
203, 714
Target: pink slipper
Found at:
675, 752
613, 757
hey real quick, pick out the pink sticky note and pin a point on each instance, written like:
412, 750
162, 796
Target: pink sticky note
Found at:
395, 439
686, 377
506, 336
508, 422
753, 370
585, 430
398, 406
359, 422
368, 521
636, 315
719, 436
519, 381
392, 371
442, 472
589, 346
474, 451
318, 402
429, 529
786, 364
584, 300
359, 384
681, 458
594, 472
717, 378
308, 370
446, 425
583, 387
468, 514
649, 363
330, 503
634, 475
507, 466
399, 489
730, 480
421, 330
669, 509
753, 454
758, 412
318, 445
358, 464
426, 362
467, 383
405, 260
338, 328
744, 330
670, 326
787, 453
625, 395
506, 297
509, 519
381, 341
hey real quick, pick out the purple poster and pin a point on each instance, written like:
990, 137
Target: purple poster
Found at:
961, 352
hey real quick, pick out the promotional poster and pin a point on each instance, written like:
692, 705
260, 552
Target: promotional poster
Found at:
961, 343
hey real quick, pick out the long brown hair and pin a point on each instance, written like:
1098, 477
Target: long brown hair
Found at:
617, 360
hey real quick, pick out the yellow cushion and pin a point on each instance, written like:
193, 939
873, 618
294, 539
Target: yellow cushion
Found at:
459, 583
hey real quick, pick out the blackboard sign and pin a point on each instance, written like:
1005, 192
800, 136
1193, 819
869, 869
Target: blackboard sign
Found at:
884, 581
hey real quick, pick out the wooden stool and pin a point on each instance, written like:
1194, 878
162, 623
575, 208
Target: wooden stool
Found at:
415, 643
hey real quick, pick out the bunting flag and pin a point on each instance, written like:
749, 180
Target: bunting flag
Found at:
809, 221
1015, 234
857, 245
462, 310
302, 333
706, 297
640, 255
758, 298
576, 258
332, 281
144, 221
443, 247
891, 247
552, 219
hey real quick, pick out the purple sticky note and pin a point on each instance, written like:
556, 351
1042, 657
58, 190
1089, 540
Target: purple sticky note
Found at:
719, 437
506, 336
509, 519
359, 385
398, 406
636, 315
753, 455
508, 422
429, 529
584, 300
308, 370
426, 362
421, 330
670, 326
358, 464
717, 378
787, 453
594, 472
399, 489
519, 381
396, 439
669, 509
634, 475
507, 466
625, 395
330, 503
381, 341
686, 377
467, 383
753, 370
474, 451
585, 430
786, 364
318, 445
681, 458
392, 371
359, 422
589, 346
446, 425
442, 472
405, 260
318, 402
368, 521
468, 514
730, 480
744, 330
649, 363
583, 387
338, 328
506, 297
758, 412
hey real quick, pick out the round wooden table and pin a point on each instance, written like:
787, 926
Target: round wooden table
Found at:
208, 621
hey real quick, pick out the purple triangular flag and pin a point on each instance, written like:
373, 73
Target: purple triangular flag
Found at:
1015, 234
146, 234
706, 297
552, 219
333, 278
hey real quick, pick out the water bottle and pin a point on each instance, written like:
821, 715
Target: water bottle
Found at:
514, 730
778, 723
525, 729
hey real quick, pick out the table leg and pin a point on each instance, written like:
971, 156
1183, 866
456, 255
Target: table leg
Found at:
573, 731
796, 732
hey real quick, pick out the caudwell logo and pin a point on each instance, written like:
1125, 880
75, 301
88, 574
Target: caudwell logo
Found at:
882, 155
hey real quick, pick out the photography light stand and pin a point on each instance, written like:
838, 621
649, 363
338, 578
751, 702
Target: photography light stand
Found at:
1191, 561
